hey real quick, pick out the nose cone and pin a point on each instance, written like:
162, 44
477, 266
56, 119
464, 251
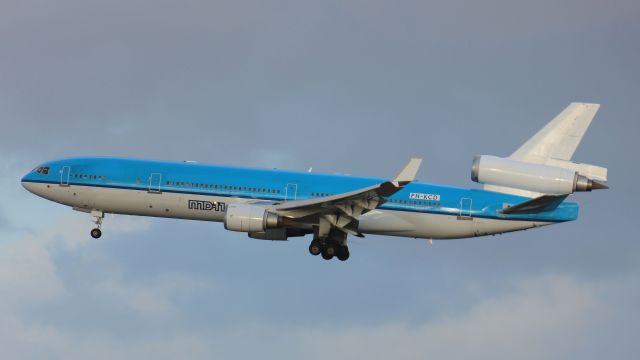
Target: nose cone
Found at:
26, 183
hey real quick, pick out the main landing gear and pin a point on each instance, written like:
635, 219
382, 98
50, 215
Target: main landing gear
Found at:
329, 242
96, 233
329, 249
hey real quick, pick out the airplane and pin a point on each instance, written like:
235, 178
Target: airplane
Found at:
525, 190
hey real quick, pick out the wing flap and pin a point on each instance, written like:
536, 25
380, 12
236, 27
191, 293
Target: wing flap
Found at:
342, 211
368, 198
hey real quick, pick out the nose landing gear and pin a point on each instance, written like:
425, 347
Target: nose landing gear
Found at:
96, 233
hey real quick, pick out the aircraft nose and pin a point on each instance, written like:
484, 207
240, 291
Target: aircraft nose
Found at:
28, 183
25, 182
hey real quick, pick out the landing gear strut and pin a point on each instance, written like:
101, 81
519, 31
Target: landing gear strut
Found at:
99, 216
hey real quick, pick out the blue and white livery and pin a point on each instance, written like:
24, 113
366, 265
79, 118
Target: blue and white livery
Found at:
526, 190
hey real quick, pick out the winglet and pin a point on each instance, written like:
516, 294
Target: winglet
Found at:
408, 174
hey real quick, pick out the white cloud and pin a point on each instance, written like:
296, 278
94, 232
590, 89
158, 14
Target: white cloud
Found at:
155, 301
551, 317
542, 318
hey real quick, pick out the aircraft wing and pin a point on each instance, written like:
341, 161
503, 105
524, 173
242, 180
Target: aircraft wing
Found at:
343, 210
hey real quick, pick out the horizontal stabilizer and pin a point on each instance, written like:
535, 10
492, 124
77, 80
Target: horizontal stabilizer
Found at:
537, 205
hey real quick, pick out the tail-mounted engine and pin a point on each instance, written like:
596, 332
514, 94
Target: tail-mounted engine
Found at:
492, 170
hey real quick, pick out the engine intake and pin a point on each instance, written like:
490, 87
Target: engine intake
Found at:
250, 218
540, 178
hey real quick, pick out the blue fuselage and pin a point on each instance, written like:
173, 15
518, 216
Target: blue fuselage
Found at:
278, 186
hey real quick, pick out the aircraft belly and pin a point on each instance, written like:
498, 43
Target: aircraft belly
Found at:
212, 208
171, 205
437, 226
136, 202
415, 224
380, 221
496, 226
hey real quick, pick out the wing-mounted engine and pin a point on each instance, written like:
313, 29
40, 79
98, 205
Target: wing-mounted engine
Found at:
538, 178
260, 223
250, 218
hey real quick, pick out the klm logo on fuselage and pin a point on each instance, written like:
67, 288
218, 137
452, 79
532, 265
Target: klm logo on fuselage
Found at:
206, 205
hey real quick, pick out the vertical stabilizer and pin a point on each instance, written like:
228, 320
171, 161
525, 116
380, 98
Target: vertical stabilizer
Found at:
561, 137
555, 144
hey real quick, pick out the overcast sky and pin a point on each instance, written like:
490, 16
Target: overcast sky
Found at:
341, 86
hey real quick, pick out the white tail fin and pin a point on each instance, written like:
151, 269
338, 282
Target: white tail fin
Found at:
555, 145
561, 137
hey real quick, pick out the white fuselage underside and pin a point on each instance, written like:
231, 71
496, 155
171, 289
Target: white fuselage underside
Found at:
176, 205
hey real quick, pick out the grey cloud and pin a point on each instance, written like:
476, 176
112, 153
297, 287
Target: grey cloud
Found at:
352, 87
4, 222
206, 79
118, 313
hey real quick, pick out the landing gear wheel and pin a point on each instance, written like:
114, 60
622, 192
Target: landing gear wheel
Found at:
315, 248
329, 252
96, 233
343, 253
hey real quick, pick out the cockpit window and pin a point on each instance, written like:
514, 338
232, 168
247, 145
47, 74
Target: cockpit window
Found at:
44, 170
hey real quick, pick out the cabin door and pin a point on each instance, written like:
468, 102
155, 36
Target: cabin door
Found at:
291, 192
155, 180
65, 173
465, 209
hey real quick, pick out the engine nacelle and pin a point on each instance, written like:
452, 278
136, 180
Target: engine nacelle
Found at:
540, 178
279, 234
249, 218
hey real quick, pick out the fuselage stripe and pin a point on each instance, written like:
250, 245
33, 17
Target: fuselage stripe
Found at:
455, 212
